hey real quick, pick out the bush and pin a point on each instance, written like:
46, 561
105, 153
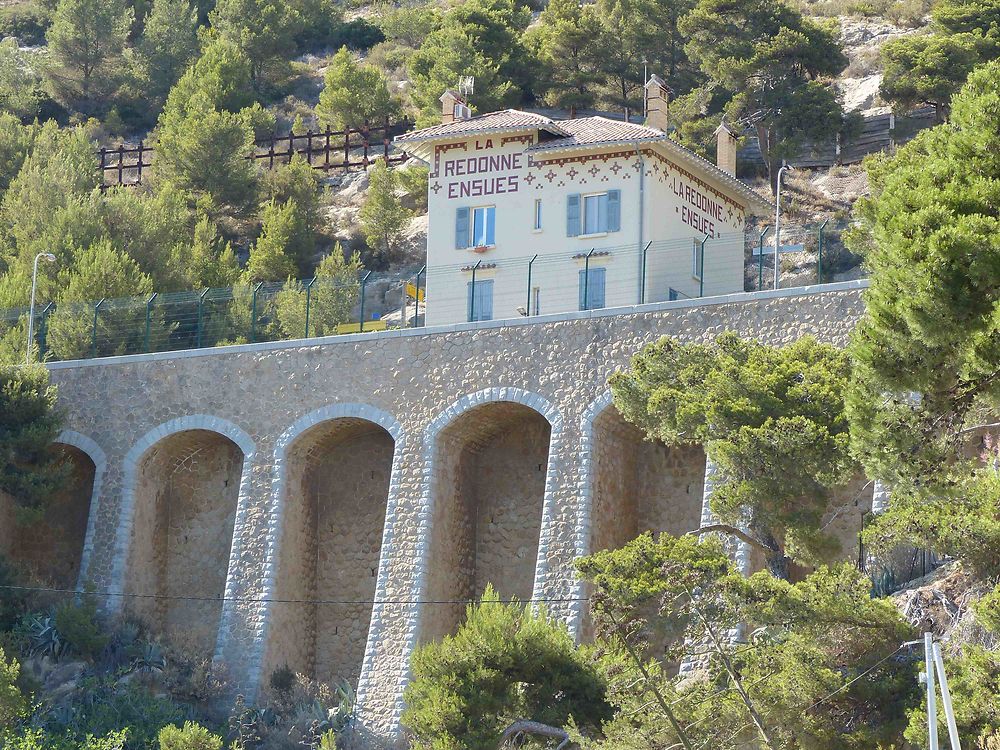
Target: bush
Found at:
79, 628
13, 704
357, 34
26, 23
282, 679
189, 737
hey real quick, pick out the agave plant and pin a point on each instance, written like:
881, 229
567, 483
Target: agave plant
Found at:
340, 717
150, 658
44, 638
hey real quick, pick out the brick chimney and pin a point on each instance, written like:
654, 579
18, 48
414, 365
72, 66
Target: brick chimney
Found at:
657, 102
453, 107
725, 151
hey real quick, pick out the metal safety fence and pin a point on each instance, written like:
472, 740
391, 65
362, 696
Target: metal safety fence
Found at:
480, 286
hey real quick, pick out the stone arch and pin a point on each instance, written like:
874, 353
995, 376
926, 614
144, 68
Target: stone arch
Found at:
331, 431
189, 526
55, 546
628, 485
447, 469
97, 455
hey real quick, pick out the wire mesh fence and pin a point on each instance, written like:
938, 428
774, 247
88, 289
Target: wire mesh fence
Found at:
477, 288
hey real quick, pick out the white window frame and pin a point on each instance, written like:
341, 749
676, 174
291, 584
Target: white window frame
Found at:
536, 225
583, 214
695, 261
472, 226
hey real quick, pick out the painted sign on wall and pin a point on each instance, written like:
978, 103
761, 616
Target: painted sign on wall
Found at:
479, 176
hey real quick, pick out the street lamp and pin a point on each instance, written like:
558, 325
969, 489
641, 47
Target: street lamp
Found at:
31, 311
777, 223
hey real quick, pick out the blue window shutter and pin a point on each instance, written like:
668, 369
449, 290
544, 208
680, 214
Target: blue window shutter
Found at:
468, 306
462, 228
486, 301
573, 215
596, 288
614, 210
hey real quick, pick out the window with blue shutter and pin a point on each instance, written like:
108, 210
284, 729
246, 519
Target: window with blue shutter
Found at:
461, 228
600, 212
480, 300
592, 289
573, 215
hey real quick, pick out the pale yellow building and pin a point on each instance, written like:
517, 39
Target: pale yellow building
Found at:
530, 215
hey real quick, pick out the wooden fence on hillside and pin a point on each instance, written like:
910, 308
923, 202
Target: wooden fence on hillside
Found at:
879, 132
327, 150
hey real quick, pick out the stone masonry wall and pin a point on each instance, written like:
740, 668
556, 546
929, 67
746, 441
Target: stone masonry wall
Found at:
415, 385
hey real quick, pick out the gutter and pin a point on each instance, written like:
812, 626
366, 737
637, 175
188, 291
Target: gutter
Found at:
642, 210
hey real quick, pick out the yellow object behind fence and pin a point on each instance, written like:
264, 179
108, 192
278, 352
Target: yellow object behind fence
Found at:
411, 292
370, 325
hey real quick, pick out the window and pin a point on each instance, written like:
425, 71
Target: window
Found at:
481, 300
592, 289
595, 213
697, 262
538, 215
475, 227
483, 226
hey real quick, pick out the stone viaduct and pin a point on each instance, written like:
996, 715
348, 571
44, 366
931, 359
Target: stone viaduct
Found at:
252, 502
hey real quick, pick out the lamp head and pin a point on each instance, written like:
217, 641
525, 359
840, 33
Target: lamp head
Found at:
49, 257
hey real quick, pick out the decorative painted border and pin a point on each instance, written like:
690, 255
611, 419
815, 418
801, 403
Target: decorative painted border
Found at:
275, 527
425, 517
126, 513
100, 459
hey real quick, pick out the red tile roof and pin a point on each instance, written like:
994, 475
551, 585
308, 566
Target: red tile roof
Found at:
592, 131
493, 122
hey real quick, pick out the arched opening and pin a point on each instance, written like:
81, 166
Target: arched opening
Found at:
186, 492
489, 483
52, 546
641, 485
336, 492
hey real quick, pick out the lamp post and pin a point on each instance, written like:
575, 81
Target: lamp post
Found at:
31, 310
777, 223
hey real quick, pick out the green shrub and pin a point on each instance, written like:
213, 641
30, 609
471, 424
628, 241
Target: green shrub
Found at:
189, 737
282, 679
13, 704
26, 23
357, 34
80, 630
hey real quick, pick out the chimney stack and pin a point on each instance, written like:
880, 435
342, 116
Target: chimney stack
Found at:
657, 101
453, 107
725, 151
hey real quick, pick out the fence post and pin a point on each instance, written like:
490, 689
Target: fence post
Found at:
121, 164
347, 147
365, 133
43, 330
586, 280
309, 147
416, 313
760, 256
253, 313
472, 292
385, 140
527, 308
326, 149
309, 286
701, 268
642, 281
138, 166
361, 310
93, 337
201, 318
819, 253
149, 310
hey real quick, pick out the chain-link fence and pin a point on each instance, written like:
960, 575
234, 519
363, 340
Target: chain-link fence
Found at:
476, 288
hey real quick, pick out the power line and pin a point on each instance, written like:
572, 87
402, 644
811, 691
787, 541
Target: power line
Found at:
269, 600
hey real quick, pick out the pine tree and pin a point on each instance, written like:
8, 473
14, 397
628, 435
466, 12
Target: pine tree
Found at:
168, 46
30, 472
383, 218
264, 30
566, 45
85, 43
272, 257
771, 418
926, 354
354, 94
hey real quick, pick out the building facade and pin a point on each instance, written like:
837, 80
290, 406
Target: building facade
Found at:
529, 215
